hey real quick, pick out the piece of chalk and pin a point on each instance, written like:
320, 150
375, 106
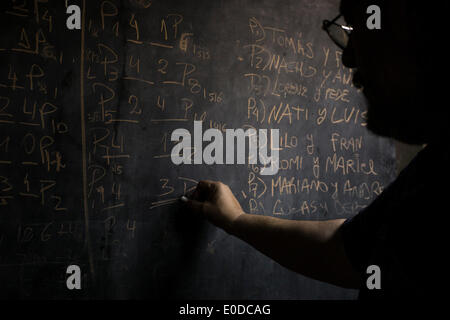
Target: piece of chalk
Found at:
184, 199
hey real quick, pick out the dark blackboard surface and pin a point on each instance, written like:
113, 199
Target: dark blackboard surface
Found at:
85, 123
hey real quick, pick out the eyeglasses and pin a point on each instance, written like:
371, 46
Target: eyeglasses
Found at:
338, 33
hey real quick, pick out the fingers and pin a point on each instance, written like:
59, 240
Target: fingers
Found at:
205, 190
205, 185
194, 205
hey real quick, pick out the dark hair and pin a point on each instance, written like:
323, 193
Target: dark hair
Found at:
413, 115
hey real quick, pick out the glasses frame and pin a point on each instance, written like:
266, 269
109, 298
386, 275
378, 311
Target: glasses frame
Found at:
347, 29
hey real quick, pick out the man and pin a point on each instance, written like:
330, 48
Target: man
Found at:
399, 231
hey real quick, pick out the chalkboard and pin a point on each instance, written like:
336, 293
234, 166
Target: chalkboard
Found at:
86, 116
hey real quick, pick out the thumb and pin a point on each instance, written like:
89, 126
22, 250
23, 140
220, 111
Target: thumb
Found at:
193, 205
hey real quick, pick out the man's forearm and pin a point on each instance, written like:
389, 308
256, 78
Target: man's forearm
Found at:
312, 248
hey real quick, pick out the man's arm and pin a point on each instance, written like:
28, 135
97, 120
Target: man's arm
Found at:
312, 248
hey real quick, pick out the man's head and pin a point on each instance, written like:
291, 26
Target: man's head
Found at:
396, 67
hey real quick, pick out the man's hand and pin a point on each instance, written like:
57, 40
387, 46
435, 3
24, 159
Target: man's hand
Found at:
312, 248
216, 202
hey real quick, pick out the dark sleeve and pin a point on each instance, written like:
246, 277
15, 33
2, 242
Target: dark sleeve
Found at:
401, 230
368, 230
357, 234
394, 209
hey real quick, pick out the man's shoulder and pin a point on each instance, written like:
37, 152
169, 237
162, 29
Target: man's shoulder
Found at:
422, 180
399, 231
